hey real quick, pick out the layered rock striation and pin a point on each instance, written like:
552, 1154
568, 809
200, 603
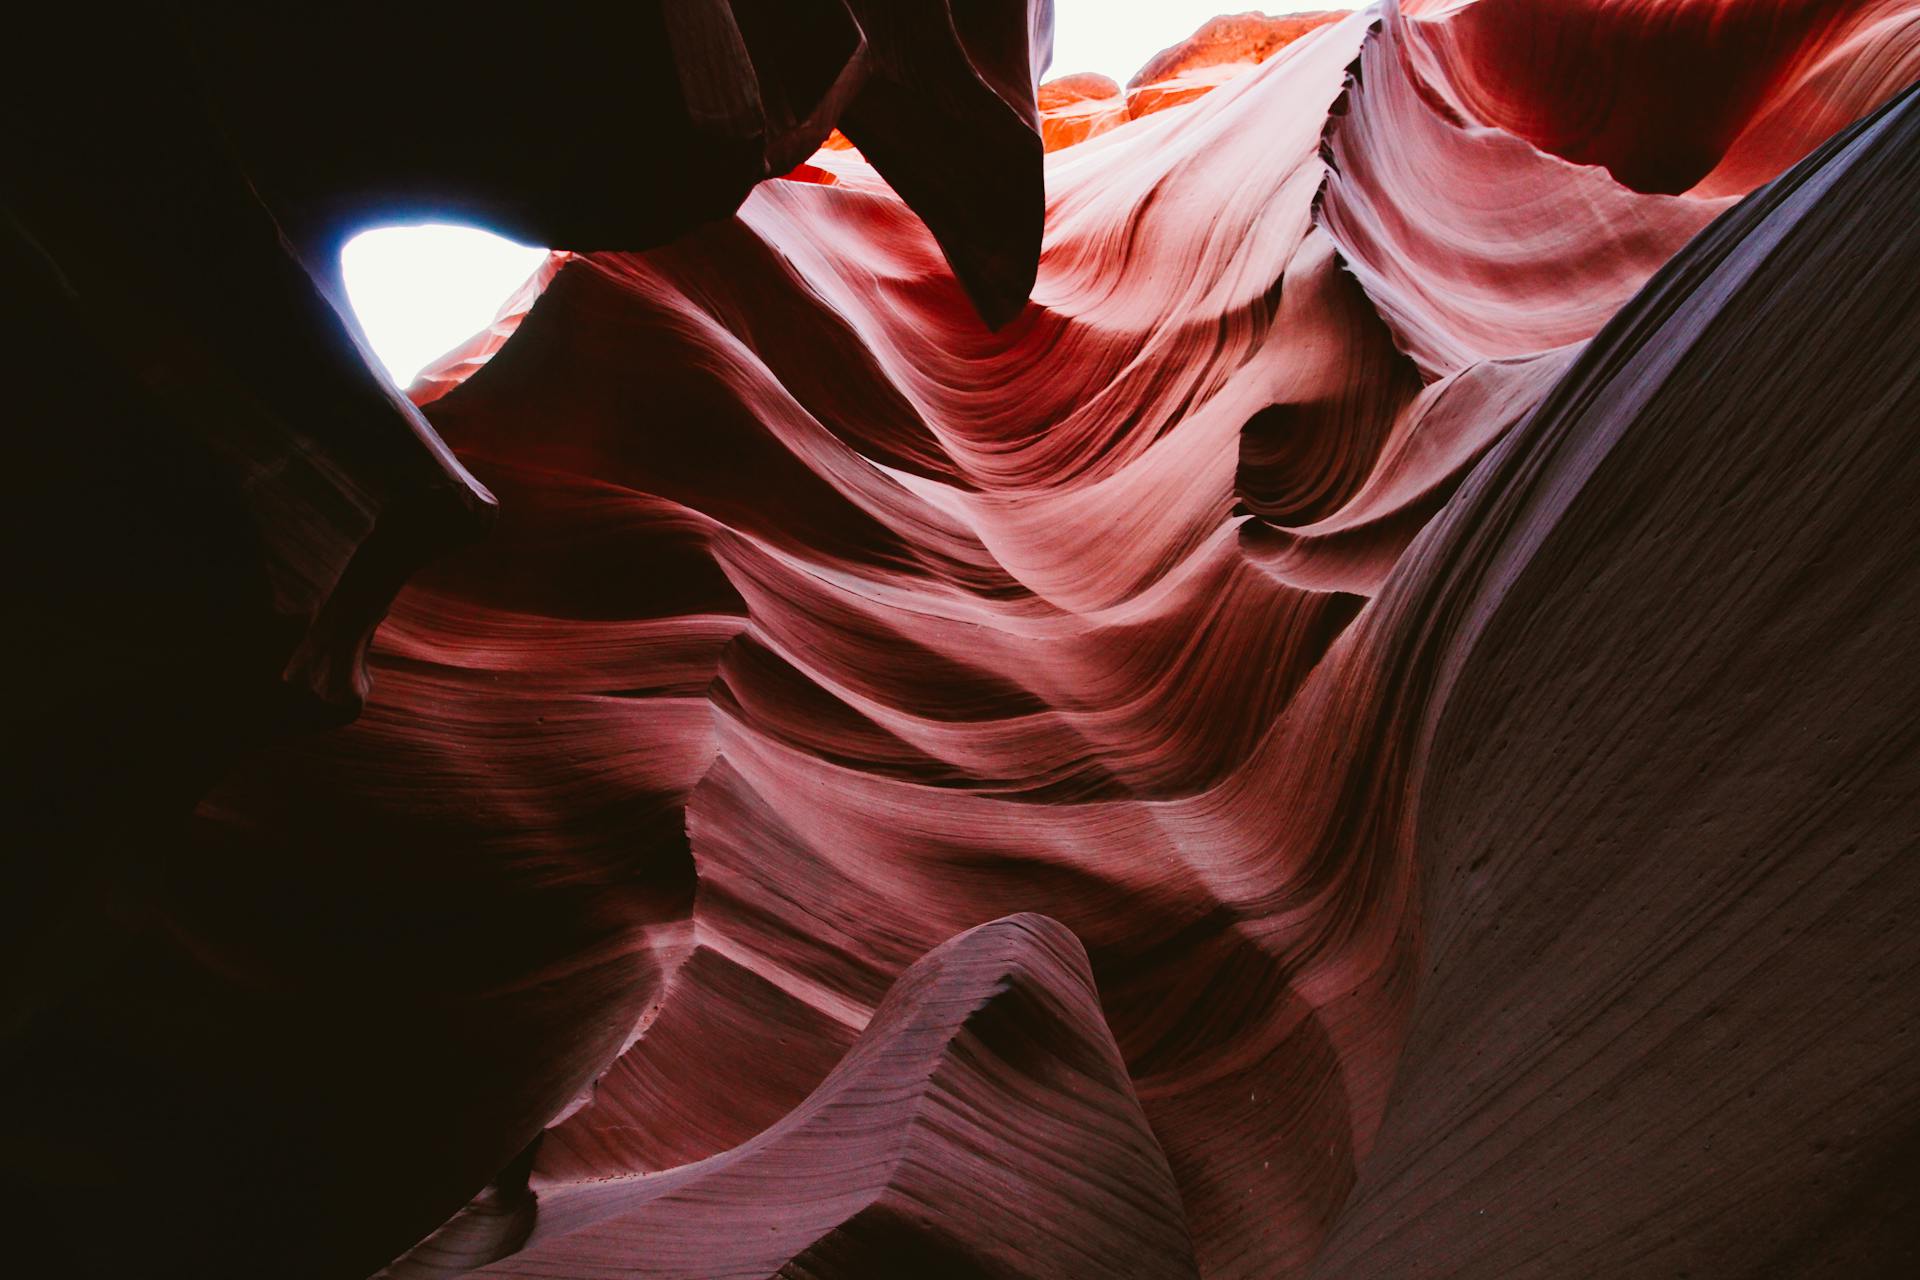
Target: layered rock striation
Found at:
1357, 726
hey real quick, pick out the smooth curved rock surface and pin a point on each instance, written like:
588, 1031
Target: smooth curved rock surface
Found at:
224, 496
899, 1162
952, 674
1708, 96
1221, 49
1077, 107
1663, 1019
1465, 730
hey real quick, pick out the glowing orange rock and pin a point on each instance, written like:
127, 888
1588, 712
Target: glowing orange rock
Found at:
1077, 107
1218, 51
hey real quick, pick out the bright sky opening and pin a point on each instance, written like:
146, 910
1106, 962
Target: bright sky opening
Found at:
421, 291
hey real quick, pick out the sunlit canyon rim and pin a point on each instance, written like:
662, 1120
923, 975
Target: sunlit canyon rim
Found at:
1300, 668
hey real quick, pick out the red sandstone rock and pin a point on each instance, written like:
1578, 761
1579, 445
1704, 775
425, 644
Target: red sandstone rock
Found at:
1241, 38
1425, 618
1220, 50
1077, 107
894, 1165
1709, 96
944, 687
1590, 1084
226, 496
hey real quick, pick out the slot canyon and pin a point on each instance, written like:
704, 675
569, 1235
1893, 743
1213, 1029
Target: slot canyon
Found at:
1301, 667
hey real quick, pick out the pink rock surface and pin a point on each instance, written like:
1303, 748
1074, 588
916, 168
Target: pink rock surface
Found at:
1359, 728
1110, 615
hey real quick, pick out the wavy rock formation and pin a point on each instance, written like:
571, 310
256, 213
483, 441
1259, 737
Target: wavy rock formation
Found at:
1076, 107
225, 497
898, 1163
1666, 810
1218, 51
1359, 729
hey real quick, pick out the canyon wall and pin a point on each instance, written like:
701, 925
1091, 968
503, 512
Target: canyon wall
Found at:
1325, 699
